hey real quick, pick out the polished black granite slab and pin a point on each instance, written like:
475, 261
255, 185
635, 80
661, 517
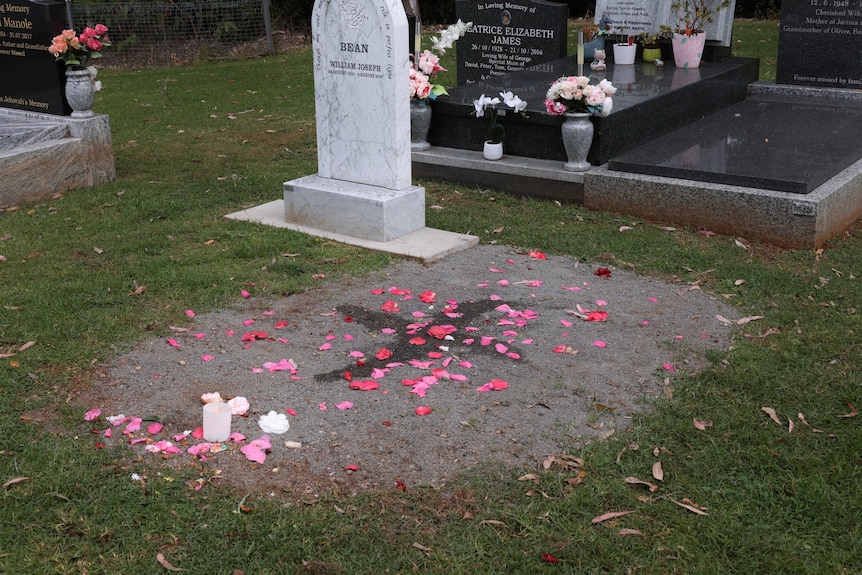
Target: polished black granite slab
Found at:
771, 142
648, 104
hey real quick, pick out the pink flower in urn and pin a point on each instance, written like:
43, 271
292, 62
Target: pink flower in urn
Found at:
420, 87
429, 64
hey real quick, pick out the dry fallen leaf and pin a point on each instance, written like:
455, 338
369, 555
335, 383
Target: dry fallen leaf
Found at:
624, 532
611, 515
805, 422
853, 411
692, 508
657, 471
772, 415
421, 547
635, 481
530, 477
723, 319
738, 282
15, 481
747, 319
27, 345
701, 424
492, 522
625, 228
605, 434
577, 480
164, 563
740, 244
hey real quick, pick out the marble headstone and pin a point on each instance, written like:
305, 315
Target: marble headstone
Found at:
361, 87
508, 36
635, 16
30, 78
820, 43
362, 101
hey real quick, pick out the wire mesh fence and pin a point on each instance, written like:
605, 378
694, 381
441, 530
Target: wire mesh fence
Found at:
165, 33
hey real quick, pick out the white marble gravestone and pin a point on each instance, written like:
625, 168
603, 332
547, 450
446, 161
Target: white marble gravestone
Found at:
635, 16
361, 72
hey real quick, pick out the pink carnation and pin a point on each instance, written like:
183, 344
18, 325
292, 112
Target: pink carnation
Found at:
555, 108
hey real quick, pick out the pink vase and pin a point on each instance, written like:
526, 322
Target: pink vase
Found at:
688, 50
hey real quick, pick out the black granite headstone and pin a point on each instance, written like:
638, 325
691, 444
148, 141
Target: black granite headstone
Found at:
31, 78
508, 36
820, 43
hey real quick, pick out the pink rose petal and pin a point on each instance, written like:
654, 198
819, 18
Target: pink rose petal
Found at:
154, 428
190, 313
174, 343
92, 414
600, 344
344, 405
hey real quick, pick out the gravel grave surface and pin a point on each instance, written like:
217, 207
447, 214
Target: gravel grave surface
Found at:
512, 353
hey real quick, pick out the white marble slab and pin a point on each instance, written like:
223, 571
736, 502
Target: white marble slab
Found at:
358, 210
361, 78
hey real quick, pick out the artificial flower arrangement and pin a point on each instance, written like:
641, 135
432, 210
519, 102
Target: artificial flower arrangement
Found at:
694, 15
651, 40
425, 66
76, 50
575, 94
510, 100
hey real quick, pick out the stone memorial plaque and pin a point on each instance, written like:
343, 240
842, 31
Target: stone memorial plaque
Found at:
635, 16
508, 36
361, 86
31, 78
820, 43
630, 16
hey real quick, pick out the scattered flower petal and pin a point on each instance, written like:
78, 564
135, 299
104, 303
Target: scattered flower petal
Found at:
214, 397
174, 343
603, 273
92, 414
598, 343
422, 410
154, 428
256, 450
238, 405
344, 405
365, 385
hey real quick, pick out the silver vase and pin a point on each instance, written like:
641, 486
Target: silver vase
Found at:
80, 93
420, 123
577, 133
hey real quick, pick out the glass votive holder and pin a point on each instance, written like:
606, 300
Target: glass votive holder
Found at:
217, 418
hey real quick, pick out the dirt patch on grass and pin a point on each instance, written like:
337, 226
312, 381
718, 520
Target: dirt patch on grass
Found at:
503, 316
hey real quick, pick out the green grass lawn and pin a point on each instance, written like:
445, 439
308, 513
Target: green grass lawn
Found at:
195, 143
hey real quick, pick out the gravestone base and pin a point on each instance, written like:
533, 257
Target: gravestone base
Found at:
359, 210
424, 244
44, 154
784, 219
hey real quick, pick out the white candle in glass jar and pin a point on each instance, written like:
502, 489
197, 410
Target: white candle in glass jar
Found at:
217, 421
